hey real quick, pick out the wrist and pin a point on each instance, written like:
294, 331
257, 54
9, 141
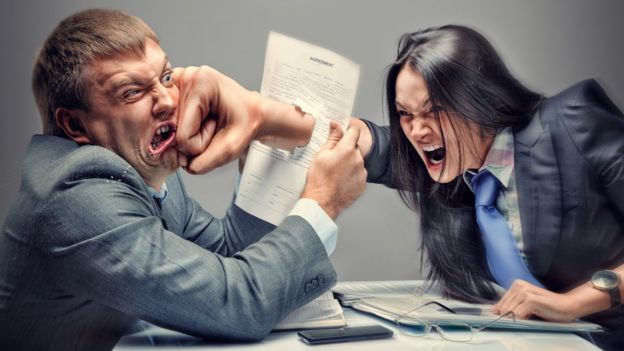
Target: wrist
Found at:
586, 300
326, 206
257, 108
282, 125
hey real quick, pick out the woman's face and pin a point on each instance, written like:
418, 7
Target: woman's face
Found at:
437, 144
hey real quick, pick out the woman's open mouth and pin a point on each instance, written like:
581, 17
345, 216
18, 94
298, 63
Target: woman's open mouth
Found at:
163, 137
434, 154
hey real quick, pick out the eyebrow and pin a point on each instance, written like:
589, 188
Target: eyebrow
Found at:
130, 81
422, 106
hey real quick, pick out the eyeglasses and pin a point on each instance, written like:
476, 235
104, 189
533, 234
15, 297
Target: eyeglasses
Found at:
451, 331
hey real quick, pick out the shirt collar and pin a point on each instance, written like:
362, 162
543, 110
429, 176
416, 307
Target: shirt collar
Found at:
161, 195
499, 160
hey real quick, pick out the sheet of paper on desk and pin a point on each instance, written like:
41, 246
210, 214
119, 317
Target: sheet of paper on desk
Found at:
392, 307
323, 312
346, 292
323, 84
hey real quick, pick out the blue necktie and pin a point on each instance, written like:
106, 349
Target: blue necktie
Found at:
503, 257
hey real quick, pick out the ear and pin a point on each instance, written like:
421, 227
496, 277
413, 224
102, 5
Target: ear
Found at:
69, 121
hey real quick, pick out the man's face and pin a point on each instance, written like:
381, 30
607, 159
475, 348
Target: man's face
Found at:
133, 111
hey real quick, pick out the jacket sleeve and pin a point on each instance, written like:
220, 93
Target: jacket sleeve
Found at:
225, 236
596, 127
107, 245
377, 162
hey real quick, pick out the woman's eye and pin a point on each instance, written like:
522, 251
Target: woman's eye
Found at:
436, 109
404, 114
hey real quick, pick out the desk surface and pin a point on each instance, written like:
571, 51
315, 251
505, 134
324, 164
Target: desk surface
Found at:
485, 340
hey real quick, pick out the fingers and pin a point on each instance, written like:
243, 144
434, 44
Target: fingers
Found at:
223, 148
511, 298
196, 126
176, 75
335, 134
182, 160
522, 298
350, 139
365, 141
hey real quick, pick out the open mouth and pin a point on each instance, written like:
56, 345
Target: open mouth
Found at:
162, 139
435, 154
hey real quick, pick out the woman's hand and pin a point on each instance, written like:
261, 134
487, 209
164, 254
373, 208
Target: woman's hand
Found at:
365, 141
526, 300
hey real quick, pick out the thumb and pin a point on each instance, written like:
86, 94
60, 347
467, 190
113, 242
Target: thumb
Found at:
335, 134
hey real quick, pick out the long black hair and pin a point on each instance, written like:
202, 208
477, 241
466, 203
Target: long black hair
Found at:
463, 74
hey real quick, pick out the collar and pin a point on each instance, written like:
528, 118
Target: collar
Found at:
499, 159
161, 195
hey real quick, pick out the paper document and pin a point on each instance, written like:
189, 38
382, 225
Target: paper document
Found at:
323, 312
323, 84
392, 307
348, 292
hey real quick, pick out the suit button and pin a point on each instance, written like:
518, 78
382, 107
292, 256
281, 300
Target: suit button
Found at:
308, 288
321, 279
315, 284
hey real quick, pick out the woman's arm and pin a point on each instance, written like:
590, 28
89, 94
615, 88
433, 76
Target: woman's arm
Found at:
374, 144
526, 300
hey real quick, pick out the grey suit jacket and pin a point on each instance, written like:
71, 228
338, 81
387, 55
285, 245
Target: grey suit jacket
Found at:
86, 251
569, 168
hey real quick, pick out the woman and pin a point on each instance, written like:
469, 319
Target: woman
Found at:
459, 121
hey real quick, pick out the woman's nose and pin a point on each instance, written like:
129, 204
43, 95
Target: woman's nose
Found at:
418, 129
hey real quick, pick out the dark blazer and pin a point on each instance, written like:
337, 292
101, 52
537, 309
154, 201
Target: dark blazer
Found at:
86, 251
569, 168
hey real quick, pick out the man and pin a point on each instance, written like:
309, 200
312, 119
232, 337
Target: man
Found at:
103, 233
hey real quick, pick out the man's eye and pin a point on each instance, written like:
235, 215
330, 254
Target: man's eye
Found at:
404, 114
167, 79
130, 93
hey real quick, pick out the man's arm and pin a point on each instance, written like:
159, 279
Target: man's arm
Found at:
335, 179
122, 256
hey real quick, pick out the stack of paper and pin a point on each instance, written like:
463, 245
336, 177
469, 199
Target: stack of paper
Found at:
349, 292
323, 312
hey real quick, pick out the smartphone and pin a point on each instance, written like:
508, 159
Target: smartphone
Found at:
324, 336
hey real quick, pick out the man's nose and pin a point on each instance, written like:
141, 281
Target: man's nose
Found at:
166, 101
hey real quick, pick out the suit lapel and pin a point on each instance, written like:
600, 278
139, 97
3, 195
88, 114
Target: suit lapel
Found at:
539, 194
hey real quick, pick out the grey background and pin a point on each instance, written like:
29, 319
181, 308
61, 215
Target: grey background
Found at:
547, 44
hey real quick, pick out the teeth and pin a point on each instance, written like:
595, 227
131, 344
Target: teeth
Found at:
434, 162
430, 148
163, 129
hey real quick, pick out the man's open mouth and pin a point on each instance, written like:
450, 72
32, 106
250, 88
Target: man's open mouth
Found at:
163, 137
435, 154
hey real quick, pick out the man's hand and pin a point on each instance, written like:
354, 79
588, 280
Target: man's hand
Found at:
337, 176
218, 118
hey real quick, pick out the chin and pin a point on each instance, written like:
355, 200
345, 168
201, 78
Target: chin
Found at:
442, 179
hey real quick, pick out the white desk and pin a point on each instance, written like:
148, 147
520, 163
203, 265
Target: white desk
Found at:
485, 340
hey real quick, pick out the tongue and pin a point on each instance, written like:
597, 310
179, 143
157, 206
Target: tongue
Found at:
158, 138
437, 155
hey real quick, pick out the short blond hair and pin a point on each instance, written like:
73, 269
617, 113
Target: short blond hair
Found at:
60, 77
